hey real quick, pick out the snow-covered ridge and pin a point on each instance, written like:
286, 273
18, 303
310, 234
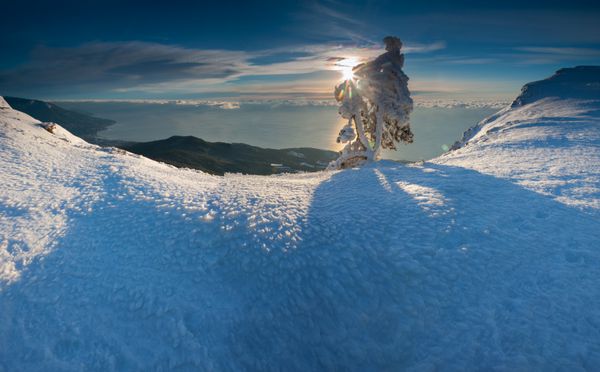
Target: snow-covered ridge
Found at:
581, 82
547, 139
110, 261
3, 104
577, 83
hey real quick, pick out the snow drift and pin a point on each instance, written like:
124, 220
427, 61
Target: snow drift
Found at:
484, 258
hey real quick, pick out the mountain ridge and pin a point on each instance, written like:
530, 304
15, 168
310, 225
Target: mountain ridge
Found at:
80, 124
193, 153
571, 82
222, 157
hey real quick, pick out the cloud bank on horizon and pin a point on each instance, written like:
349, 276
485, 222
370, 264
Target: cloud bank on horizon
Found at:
282, 51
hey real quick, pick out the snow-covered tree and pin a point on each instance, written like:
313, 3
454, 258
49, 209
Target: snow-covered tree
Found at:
376, 101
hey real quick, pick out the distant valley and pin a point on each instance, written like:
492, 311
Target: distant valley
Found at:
183, 151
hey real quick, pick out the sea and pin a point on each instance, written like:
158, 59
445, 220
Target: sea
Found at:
272, 125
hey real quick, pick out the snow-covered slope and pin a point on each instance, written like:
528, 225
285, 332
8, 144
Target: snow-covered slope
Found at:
548, 140
484, 259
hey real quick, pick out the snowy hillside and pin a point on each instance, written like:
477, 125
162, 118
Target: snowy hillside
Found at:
486, 258
548, 140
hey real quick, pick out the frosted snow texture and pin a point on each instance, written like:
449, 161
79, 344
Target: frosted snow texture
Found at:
484, 259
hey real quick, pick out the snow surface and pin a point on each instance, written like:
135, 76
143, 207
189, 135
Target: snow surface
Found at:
486, 258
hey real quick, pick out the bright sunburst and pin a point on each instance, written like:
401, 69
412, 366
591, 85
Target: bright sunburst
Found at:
347, 73
345, 66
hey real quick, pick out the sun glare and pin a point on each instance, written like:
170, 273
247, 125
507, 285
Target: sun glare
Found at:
347, 73
345, 66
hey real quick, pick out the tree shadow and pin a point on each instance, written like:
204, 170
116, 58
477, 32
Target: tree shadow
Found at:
429, 267
394, 267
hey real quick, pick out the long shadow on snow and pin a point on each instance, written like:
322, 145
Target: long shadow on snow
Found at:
397, 267
431, 267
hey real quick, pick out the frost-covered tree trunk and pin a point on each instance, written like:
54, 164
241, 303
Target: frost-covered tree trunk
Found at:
376, 101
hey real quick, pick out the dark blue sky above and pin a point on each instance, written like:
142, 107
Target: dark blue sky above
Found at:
177, 49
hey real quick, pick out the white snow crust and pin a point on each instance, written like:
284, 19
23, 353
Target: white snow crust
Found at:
487, 258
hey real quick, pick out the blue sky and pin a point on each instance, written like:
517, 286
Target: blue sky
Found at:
278, 49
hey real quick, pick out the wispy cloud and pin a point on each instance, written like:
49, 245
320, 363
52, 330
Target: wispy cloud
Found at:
332, 20
527, 55
550, 55
114, 65
424, 48
158, 68
566, 51
457, 60
331, 10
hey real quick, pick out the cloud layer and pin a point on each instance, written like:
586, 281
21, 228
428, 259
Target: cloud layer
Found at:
148, 70
420, 101
158, 68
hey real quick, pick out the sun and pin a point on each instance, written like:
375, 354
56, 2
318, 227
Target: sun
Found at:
347, 73
345, 66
